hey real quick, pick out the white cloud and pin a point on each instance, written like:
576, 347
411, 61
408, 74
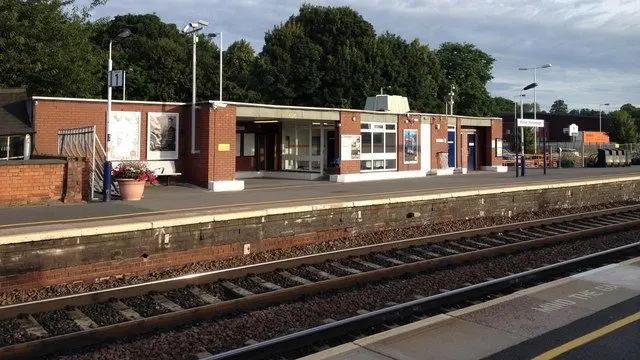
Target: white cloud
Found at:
592, 44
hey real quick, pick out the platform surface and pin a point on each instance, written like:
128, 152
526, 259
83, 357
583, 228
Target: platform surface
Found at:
276, 193
592, 315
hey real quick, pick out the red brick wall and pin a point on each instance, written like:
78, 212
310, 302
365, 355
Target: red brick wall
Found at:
438, 131
349, 125
197, 166
496, 133
223, 123
407, 122
43, 181
53, 115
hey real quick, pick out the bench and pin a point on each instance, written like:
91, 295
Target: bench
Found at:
163, 168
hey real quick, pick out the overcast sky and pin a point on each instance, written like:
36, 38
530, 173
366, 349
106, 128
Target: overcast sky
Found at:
593, 45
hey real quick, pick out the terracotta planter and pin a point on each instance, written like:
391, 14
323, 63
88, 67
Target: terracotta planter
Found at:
131, 189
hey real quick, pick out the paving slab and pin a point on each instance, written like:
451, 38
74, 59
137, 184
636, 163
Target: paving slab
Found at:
348, 351
519, 317
581, 293
441, 341
627, 276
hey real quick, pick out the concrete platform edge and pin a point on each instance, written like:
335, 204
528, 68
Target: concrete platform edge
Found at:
99, 226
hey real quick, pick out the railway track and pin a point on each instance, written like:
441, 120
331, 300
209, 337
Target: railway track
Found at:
51, 325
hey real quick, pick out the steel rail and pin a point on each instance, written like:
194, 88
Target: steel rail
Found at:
357, 323
173, 319
163, 285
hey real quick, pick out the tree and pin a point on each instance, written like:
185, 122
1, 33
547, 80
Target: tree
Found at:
559, 107
502, 106
46, 46
157, 58
239, 61
469, 68
622, 128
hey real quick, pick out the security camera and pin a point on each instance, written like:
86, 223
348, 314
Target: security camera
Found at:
203, 22
185, 29
194, 25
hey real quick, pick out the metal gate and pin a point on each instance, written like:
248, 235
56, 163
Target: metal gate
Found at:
84, 142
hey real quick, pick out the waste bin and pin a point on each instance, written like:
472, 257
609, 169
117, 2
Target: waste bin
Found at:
601, 160
616, 157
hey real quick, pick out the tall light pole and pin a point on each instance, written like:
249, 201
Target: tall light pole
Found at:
515, 128
600, 114
193, 29
451, 94
530, 86
124, 33
219, 35
535, 108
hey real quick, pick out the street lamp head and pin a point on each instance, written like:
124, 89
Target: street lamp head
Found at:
124, 33
545, 66
606, 104
523, 68
530, 86
203, 22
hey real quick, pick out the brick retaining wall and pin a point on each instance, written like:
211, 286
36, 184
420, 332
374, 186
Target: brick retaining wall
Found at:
87, 258
41, 181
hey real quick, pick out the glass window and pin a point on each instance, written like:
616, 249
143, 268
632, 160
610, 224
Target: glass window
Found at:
366, 142
315, 143
249, 144
390, 142
238, 144
378, 164
4, 148
365, 126
378, 143
391, 164
378, 127
304, 141
365, 165
391, 126
16, 146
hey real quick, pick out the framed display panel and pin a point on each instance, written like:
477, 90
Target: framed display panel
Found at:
162, 135
410, 146
123, 141
350, 147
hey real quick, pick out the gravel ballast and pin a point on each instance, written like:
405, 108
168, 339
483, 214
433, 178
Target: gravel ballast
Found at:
234, 330
361, 239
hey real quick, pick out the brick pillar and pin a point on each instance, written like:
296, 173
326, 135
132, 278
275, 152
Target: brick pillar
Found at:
222, 139
439, 134
349, 125
76, 181
496, 133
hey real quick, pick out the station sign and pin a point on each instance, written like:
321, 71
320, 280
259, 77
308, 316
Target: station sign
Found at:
573, 130
531, 123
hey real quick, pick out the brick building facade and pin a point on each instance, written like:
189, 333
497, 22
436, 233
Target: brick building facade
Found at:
239, 140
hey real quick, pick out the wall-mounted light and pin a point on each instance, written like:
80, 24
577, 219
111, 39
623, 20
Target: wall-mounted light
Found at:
437, 126
265, 121
353, 118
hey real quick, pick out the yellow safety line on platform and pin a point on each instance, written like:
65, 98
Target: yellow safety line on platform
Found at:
213, 207
587, 338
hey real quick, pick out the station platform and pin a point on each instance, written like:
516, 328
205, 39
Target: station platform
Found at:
591, 315
266, 194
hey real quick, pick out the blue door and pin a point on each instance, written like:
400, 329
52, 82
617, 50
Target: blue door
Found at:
452, 148
471, 160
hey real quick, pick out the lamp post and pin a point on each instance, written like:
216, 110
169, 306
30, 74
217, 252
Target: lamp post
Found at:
451, 94
535, 108
124, 33
600, 114
515, 129
530, 86
193, 29
219, 35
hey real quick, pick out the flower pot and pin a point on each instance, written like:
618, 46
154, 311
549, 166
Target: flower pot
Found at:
131, 189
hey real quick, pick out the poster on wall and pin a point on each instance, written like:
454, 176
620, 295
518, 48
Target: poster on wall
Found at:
410, 142
162, 135
498, 147
350, 147
124, 136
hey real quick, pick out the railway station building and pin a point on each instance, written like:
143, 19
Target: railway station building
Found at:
228, 142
